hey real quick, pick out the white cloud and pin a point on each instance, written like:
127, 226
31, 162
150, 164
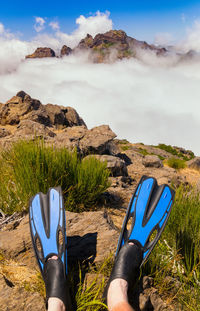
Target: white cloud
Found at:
98, 23
139, 102
192, 40
163, 38
54, 25
152, 101
39, 24
2, 29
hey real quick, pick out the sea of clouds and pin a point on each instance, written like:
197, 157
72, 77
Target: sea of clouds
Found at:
151, 100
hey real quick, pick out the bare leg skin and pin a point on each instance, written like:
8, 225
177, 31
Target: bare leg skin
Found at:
55, 304
117, 298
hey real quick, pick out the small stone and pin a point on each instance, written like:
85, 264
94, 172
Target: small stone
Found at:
147, 282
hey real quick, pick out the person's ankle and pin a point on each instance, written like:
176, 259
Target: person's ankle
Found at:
55, 304
117, 293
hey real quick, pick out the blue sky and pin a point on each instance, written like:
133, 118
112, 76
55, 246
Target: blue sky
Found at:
140, 19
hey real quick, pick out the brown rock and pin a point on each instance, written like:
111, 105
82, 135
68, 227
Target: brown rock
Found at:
158, 303
116, 166
65, 51
98, 238
96, 140
113, 45
29, 128
61, 116
85, 43
23, 107
4, 132
147, 282
17, 298
194, 163
152, 161
144, 302
42, 52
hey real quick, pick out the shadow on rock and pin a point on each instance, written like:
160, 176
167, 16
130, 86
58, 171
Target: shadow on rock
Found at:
81, 253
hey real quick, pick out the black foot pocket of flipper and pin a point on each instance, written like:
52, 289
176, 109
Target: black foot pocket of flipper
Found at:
126, 265
56, 282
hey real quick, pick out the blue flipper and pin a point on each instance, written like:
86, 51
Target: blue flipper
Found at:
47, 226
147, 214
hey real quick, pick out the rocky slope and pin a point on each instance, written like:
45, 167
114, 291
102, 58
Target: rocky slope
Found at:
91, 235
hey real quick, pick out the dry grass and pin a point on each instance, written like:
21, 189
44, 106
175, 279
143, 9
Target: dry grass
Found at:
22, 276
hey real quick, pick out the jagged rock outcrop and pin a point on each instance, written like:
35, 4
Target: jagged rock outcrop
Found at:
113, 45
23, 107
42, 52
107, 47
65, 51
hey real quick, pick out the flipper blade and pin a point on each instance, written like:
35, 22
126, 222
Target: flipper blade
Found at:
47, 226
149, 210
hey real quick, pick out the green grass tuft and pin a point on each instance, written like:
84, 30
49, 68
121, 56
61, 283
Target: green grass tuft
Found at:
175, 261
31, 166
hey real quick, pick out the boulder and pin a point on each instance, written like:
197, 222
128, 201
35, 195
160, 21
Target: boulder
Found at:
42, 52
61, 116
97, 140
152, 161
65, 51
23, 107
194, 163
116, 166
28, 128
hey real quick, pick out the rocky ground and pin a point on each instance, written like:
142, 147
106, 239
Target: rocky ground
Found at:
92, 236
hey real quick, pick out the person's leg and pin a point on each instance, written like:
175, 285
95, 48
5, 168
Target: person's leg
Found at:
55, 282
124, 273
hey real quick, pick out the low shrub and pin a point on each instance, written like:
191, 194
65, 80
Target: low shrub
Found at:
175, 261
31, 166
176, 163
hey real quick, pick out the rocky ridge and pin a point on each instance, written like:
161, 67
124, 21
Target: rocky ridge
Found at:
111, 46
107, 47
25, 117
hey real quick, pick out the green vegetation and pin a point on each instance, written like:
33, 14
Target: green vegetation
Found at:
175, 261
145, 152
176, 163
123, 141
89, 296
107, 45
175, 152
31, 166
124, 148
128, 53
